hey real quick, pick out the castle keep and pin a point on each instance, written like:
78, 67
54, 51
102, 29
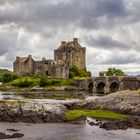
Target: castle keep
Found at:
66, 55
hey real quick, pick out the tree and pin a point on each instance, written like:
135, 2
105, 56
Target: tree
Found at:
8, 77
112, 72
74, 71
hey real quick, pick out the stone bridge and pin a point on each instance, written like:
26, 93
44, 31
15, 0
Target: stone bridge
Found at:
106, 85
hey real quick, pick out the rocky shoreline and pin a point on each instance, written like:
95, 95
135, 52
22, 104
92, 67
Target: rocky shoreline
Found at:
126, 102
14, 111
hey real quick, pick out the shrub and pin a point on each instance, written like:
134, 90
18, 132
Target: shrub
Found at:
44, 81
22, 83
76, 72
8, 77
112, 72
25, 82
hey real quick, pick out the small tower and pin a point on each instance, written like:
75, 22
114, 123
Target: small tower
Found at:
71, 53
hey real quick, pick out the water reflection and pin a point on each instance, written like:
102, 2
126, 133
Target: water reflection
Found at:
9, 95
63, 131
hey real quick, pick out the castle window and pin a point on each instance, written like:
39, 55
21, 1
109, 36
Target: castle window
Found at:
47, 73
77, 58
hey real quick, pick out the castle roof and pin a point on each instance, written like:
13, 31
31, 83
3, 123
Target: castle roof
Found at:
71, 44
23, 59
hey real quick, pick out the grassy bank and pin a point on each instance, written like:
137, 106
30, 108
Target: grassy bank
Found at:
31, 81
75, 114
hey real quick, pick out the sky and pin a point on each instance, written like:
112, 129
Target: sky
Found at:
109, 29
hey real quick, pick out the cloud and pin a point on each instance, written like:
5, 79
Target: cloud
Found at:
108, 28
122, 58
105, 42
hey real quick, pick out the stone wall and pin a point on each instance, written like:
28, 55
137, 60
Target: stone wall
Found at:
65, 56
24, 66
105, 85
71, 53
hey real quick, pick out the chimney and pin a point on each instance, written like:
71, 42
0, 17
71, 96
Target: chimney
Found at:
43, 59
29, 56
17, 58
63, 43
75, 40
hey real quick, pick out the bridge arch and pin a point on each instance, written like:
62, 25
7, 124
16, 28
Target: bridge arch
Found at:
90, 86
114, 87
100, 88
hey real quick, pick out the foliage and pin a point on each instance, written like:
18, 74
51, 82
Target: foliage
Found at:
112, 72
30, 81
25, 82
75, 114
2, 71
44, 81
76, 72
7, 77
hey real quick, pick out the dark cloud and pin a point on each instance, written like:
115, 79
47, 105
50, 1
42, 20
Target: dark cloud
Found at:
120, 58
46, 22
87, 14
105, 42
7, 43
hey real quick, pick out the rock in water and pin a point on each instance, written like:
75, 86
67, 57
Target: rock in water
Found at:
16, 135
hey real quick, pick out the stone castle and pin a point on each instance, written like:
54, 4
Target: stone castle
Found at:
66, 55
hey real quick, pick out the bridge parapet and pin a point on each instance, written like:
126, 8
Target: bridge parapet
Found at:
110, 84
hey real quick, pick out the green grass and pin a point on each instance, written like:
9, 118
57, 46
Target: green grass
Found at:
79, 78
45, 82
75, 114
31, 81
25, 82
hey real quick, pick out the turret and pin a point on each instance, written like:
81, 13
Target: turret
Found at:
75, 40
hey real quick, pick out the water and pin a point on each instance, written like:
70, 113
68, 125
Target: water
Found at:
12, 95
9, 95
63, 131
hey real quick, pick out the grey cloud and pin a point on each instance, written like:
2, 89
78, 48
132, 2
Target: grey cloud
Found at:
50, 20
122, 58
105, 42
86, 14
7, 43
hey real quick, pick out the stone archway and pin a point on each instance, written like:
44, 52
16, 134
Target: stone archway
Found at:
100, 89
90, 87
114, 87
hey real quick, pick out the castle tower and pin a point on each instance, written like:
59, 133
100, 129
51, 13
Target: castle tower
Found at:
71, 53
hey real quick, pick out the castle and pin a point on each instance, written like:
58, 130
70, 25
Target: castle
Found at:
66, 55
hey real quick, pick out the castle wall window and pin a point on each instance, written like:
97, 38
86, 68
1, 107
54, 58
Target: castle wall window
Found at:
47, 73
77, 58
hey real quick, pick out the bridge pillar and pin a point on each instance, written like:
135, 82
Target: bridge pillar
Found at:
107, 87
94, 88
121, 86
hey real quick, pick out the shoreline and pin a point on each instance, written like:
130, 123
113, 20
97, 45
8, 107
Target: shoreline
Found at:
124, 102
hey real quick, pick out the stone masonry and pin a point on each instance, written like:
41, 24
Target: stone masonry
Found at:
66, 55
106, 85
